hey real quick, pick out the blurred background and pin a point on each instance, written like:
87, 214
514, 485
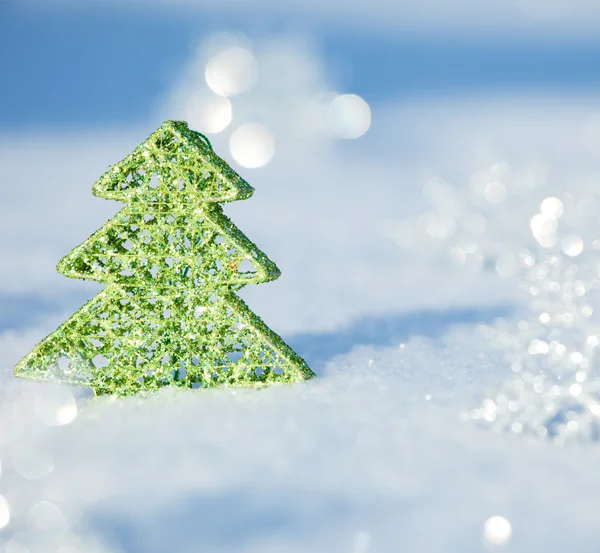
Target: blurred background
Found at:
338, 114
403, 154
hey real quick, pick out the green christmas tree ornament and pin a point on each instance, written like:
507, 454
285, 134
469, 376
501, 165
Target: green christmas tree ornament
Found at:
172, 262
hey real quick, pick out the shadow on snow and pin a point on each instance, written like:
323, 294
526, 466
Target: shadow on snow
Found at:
317, 348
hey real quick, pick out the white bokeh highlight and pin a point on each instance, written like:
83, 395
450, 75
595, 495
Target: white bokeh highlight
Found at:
231, 71
543, 228
57, 407
252, 145
552, 207
4, 512
572, 245
280, 83
66, 413
349, 116
208, 112
497, 530
45, 516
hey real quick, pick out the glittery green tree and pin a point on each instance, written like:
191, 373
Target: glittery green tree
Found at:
172, 262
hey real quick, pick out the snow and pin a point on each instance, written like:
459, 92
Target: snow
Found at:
375, 455
371, 456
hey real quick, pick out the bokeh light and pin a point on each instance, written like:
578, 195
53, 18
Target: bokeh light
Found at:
208, 112
572, 245
4, 512
349, 116
507, 265
497, 530
57, 407
468, 224
45, 516
552, 207
551, 391
231, 71
66, 413
544, 229
252, 145
494, 192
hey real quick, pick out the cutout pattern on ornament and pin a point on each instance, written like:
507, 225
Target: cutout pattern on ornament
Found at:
173, 246
171, 261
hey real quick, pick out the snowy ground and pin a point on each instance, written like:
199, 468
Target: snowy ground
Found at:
372, 456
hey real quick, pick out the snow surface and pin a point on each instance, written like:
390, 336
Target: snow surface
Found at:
374, 455
371, 456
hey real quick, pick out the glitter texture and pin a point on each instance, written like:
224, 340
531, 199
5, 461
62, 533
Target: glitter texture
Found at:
171, 261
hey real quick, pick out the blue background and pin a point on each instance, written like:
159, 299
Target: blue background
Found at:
98, 66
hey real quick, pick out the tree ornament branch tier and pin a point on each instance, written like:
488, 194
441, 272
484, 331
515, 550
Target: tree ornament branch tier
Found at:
172, 262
